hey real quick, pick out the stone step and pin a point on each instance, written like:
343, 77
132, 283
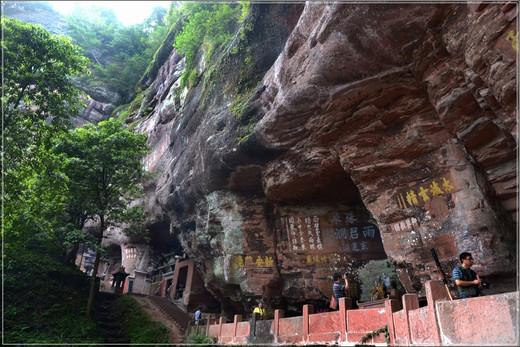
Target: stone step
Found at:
102, 313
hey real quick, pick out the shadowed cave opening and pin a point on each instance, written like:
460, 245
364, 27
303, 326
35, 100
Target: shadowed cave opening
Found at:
349, 236
161, 241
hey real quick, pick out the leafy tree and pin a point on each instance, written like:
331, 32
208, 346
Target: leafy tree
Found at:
93, 31
158, 27
119, 54
36, 77
174, 12
38, 101
157, 18
103, 165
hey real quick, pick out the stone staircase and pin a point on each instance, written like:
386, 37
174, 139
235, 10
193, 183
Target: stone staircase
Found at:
180, 318
110, 326
175, 315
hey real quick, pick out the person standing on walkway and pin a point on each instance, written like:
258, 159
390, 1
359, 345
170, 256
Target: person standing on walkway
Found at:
468, 282
260, 310
197, 316
339, 287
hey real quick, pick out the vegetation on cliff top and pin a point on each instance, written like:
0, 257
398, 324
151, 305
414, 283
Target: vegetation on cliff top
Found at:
119, 54
208, 27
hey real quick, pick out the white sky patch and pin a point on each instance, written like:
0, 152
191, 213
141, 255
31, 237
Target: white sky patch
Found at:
128, 12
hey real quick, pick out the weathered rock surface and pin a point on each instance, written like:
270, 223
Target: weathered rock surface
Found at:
379, 131
376, 132
51, 20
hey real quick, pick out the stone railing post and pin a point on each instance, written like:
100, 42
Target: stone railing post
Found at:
252, 326
307, 310
278, 314
221, 322
410, 302
345, 304
435, 291
391, 306
210, 320
236, 320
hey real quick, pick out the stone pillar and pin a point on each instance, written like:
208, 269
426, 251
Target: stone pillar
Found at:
252, 324
236, 320
278, 314
221, 322
410, 302
435, 291
210, 320
189, 279
307, 310
391, 306
173, 292
344, 305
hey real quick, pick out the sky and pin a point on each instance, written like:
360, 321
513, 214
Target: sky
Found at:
128, 12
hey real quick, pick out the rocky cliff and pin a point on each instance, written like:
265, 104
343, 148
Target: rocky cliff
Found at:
375, 133
333, 137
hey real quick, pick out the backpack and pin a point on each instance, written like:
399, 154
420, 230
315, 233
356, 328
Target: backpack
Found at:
469, 291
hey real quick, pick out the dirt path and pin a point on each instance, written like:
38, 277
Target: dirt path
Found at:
154, 313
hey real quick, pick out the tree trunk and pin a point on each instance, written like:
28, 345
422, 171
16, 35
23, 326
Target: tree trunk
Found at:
92, 292
70, 258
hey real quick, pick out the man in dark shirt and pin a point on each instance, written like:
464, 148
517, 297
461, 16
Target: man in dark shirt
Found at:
467, 281
338, 288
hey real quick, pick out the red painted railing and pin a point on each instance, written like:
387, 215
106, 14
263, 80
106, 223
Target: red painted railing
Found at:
479, 321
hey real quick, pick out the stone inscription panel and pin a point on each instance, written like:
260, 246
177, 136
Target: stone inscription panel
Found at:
339, 232
423, 194
250, 261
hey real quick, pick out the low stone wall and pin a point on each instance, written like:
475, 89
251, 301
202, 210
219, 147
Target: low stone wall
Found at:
482, 320
486, 320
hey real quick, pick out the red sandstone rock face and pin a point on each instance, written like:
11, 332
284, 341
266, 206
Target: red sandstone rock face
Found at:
413, 130
382, 130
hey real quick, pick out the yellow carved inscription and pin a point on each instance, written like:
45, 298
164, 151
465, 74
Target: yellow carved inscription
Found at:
416, 197
513, 38
240, 262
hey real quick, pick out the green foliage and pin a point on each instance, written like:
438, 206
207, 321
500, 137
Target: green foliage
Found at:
248, 130
38, 102
197, 339
245, 10
240, 111
55, 180
208, 26
36, 81
368, 273
147, 110
119, 54
138, 325
44, 300
103, 165
376, 333
174, 13
136, 104
193, 77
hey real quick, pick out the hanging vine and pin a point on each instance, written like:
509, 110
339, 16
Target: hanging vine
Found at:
376, 333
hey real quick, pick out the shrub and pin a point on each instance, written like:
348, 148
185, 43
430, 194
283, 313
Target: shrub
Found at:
140, 327
199, 339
